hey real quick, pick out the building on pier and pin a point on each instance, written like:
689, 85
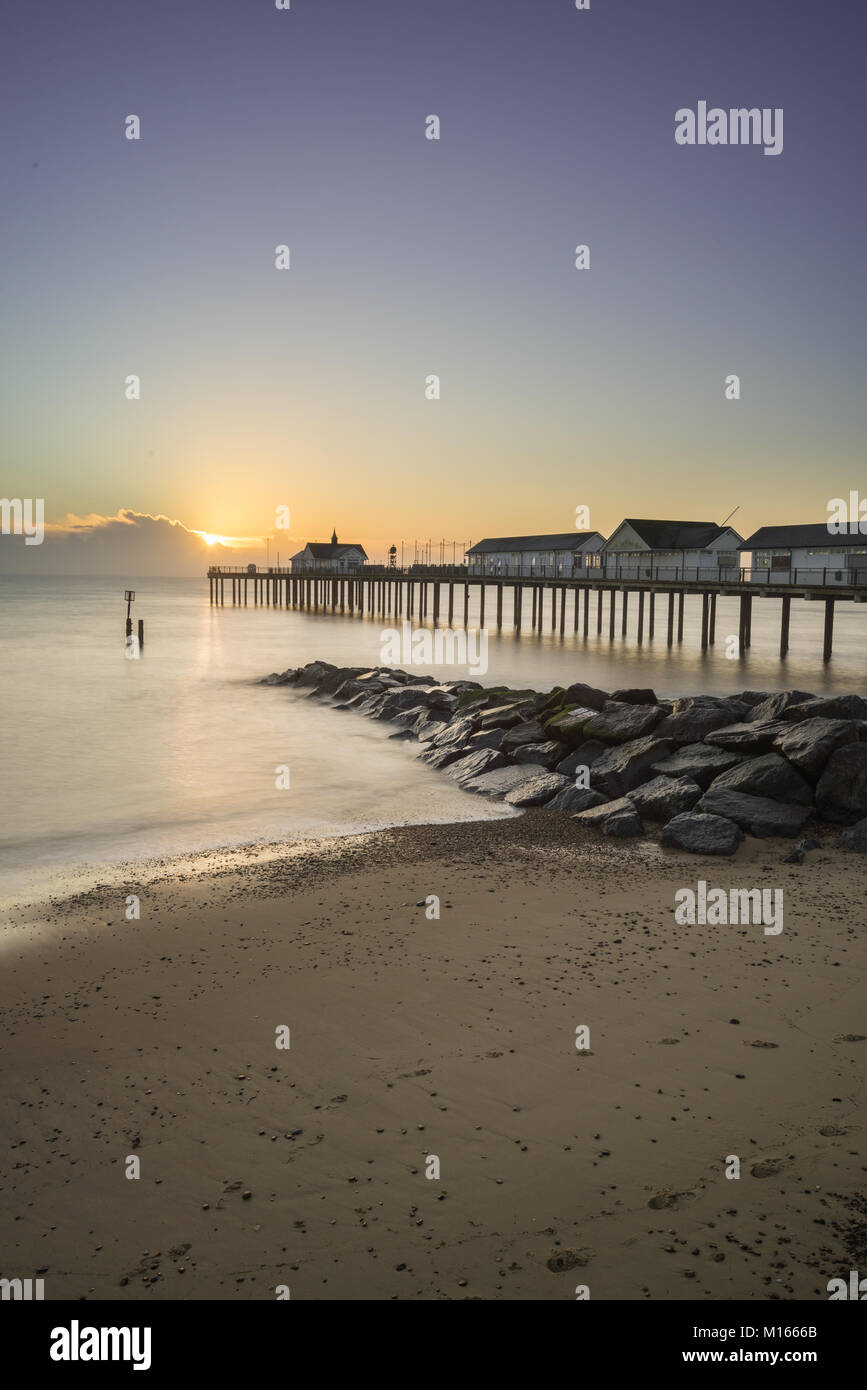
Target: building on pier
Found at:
809, 554
671, 550
562, 556
330, 555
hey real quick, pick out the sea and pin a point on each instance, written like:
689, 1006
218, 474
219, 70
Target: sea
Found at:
107, 760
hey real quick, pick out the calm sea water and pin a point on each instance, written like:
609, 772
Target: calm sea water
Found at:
106, 759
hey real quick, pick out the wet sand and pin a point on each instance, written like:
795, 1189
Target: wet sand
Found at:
264, 1167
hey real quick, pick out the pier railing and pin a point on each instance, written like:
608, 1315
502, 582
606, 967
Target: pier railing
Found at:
827, 576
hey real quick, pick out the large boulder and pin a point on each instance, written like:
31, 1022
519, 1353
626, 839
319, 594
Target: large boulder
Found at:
547, 754
585, 695
454, 732
692, 718
497, 782
616, 771
506, 716
618, 818
486, 738
758, 814
634, 697
585, 756
829, 707
809, 744
314, 672
768, 775
539, 788
473, 764
664, 797
568, 725
775, 706
841, 792
747, 737
700, 762
702, 834
529, 732
443, 757
620, 724
574, 799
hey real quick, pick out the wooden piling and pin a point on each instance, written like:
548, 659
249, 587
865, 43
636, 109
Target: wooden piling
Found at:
451, 603
829, 630
611, 614
711, 636
499, 608
784, 624
680, 616
650, 614
599, 610
481, 606
705, 612
670, 638
625, 610
519, 595
640, 615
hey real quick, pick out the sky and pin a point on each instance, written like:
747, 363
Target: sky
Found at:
306, 388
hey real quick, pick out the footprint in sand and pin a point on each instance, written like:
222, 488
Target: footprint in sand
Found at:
768, 1168
563, 1260
758, 1043
849, 1037
668, 1199
832, 1131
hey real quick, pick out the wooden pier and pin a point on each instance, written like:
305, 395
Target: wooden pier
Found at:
418, 593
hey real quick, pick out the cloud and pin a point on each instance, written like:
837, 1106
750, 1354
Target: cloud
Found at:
130, 543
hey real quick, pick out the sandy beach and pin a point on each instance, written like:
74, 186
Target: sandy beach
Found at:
413, 1037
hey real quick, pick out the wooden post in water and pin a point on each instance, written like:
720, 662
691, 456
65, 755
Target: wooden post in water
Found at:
711, 636
563, 592
451, 602
680, 616
599, 609
534, 607
625, 609
748, 634
641, 615
742, 624
518, 600
670, 617
499, 608
784, 624
705, 612
553, 607
436, 602
829, 629
466, 603
611, 616
650, 614
481, 606
586, 610
141, 635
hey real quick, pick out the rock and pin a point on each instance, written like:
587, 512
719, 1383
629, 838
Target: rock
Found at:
473, 764
701, 833
427, 726
697, 761
623, 724
855, 837
841, 792
585, 756
497, 782
406, 718
620, 815
829, 707
443, 757
796, 857
745, 737
775, 706
574, 799
539, 788
505, 716
543, 754
664, 797
314, 672
616, 771
454, 732
623, 824
634, 697
809, 844
758, 814
568, 726
692, 718
810, 743
529, 732
754, 697
768, 775
402, 735
486, 738
585, 695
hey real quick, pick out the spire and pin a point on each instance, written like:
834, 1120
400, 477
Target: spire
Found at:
334, 536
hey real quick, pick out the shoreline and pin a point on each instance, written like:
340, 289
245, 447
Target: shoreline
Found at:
453, 1037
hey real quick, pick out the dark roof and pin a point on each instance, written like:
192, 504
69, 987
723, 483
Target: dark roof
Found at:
813, 536
324, 550
564, 540
675, 535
